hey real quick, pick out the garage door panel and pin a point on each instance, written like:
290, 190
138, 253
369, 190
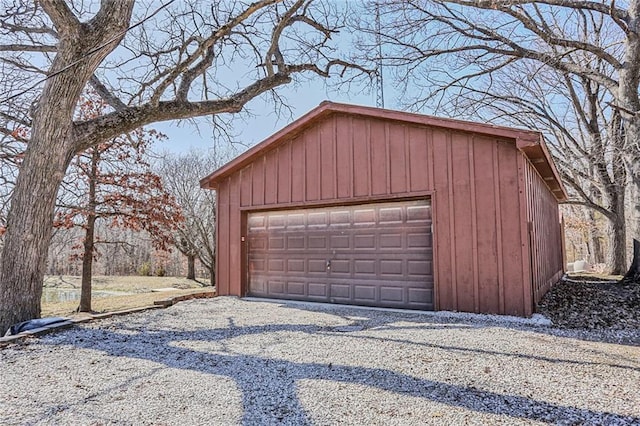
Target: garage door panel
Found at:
317, 266
276, 266
296, 220
276, 287
364, 217
391, 241
296, 288
257, 266
418, 213
391, 267
364, 293
317, 219
392, 294
259, 286
340, 266
340, 242
318, 290
276, 221
340, 291
295, 265
340, 218
390, 215
259, 242
295, 242
365, 267
418, 240
366, 241
276, 243
419, 295
419, 268
375, 255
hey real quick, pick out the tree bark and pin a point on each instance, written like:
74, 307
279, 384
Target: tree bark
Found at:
87, 256
212, 276
87, 265
596, 246
30, 219
49, 152
191, 267
618, 249
595, 233
633, 274
29, 225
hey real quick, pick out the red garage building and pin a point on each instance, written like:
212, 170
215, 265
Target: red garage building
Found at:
366, 206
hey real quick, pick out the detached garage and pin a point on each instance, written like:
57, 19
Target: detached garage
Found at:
373, 207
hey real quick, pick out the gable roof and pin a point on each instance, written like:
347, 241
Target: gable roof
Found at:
530, 143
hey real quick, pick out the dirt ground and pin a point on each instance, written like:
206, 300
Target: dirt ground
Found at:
142, 291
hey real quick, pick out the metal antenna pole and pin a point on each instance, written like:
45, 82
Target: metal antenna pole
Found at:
379, 75
213, 136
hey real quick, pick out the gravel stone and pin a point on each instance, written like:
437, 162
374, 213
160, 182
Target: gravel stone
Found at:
227, 361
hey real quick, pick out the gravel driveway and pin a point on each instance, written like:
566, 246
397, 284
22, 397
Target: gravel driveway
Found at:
231, 361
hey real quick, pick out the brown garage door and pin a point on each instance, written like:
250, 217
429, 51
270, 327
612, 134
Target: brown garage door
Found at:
374, 254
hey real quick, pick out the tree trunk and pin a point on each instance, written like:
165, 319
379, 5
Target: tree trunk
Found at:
87, 257
634, 198
29, 226
594, 236
633, 274
49, 151
618, 249
87, 265
191, 267
212, 276
30, 218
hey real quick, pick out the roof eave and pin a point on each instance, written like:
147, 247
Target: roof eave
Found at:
538, 155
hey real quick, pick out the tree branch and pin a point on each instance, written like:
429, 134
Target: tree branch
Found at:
27, 48
106, 94
91, 132
61, 16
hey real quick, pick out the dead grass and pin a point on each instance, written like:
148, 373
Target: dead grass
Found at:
142, 287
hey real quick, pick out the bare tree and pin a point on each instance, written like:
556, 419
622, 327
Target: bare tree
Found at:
195, 238
513, 60
113, 182
154, 62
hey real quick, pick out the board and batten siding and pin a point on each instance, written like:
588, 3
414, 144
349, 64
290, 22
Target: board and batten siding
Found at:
545, 228
476, 184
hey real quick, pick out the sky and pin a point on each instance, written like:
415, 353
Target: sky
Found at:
264, 121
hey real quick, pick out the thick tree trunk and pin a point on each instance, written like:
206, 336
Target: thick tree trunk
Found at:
633, 274
634, 197
191, 267
29, 226
618, 249
49, 151
212, 276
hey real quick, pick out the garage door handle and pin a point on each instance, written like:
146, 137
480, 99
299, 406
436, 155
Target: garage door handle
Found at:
328, 264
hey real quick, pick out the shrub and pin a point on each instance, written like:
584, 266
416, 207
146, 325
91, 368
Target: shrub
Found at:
160, 272
145, 269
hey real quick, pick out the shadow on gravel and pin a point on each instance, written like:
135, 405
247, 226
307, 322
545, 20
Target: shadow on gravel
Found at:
268, 386
626, 337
